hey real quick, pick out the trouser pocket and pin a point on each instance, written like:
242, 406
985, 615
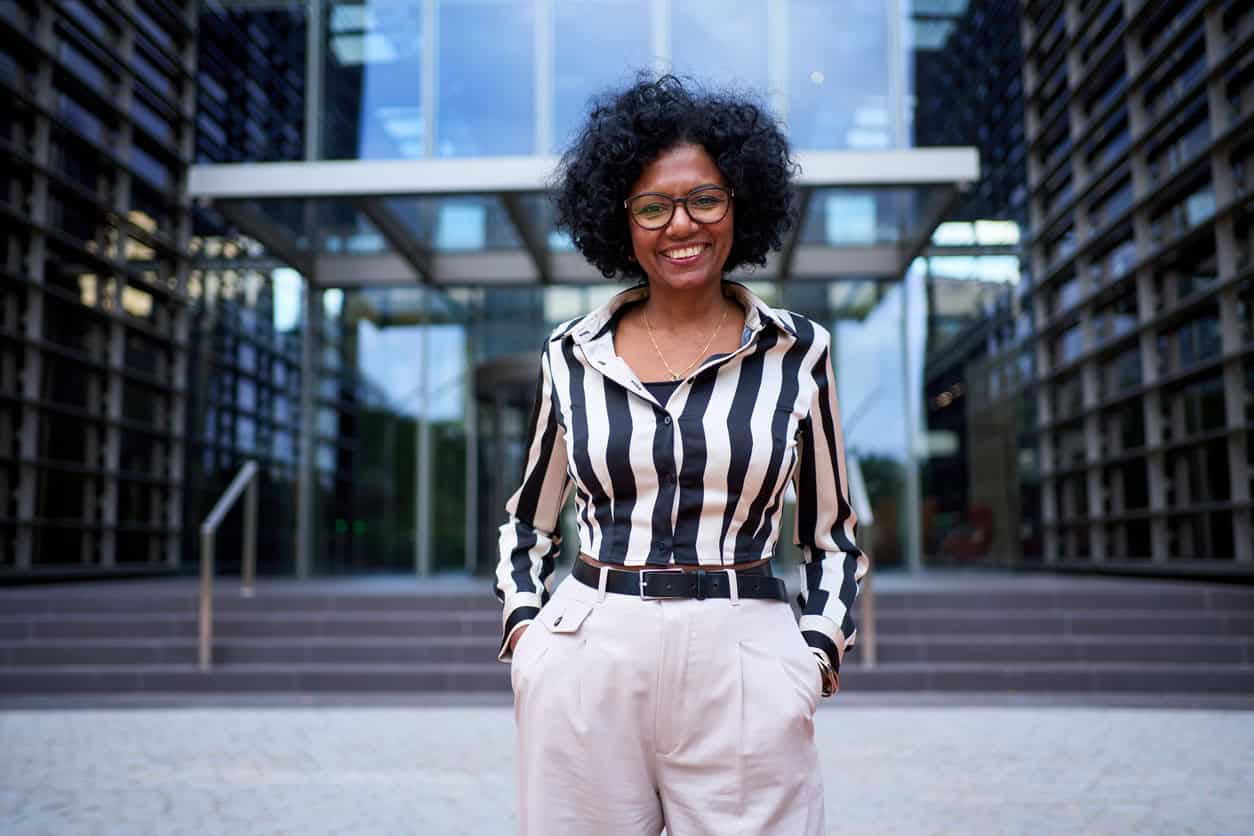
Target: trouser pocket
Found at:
553, 634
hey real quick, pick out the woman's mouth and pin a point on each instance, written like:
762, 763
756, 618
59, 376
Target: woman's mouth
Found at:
686, 254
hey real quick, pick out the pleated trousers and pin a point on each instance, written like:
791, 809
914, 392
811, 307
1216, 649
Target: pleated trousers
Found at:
694, 716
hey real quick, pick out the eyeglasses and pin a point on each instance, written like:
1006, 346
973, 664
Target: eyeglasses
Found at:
704, 204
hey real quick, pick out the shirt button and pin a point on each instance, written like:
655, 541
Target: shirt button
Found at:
666, 420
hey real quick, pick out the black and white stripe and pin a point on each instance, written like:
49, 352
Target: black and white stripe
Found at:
699, 479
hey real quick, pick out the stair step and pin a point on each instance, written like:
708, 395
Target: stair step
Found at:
1022, 635
1092, 649
53, 652
1053, 677
1158, 597
404, 624
425, 678
182, 604
1078, 622
157, 626
455, 649
492, 676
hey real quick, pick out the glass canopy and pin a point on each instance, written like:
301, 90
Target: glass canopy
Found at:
488, 221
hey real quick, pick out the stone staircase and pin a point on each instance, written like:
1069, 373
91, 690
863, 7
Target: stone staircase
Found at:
939, 632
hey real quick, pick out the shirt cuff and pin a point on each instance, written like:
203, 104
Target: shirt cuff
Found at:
519, 618
815, 630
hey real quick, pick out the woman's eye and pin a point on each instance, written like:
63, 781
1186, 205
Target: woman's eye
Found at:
651, 210
709, 201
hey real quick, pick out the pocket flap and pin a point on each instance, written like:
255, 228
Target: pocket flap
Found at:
564, 617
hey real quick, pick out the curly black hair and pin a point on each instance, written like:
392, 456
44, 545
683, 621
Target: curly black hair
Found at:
629, 129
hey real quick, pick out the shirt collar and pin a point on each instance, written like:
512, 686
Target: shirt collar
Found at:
594, 324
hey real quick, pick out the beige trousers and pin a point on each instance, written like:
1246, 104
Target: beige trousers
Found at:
696, 716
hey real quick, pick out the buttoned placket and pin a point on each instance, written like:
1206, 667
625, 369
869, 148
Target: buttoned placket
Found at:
599, 355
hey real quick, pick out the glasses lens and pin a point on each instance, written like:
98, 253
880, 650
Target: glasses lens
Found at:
708, 205
651, 211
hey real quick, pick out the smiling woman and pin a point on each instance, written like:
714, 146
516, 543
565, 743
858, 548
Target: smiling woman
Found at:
684, 238
625, 133
677, 413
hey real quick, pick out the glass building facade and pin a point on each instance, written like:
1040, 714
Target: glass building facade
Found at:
374, 350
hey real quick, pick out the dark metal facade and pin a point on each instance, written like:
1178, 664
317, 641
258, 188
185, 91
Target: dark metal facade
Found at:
96, 128
1140, 129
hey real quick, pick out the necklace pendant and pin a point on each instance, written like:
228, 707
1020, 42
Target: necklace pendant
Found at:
674, 376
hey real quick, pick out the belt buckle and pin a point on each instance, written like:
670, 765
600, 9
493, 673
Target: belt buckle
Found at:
644, 579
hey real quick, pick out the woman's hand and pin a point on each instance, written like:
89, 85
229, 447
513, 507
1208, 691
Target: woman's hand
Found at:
513, 640
829, 678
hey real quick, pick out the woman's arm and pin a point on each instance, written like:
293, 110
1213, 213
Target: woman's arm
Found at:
529, 540
833, 566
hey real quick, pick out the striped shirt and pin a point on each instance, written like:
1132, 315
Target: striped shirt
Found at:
696, 479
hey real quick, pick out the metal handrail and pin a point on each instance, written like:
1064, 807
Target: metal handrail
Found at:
244, 481
868, 645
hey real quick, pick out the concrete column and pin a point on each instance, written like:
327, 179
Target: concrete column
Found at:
1235, 394
315, 11
33, 316
306, 480
913, 499
498, 494
660, 35
109, 297
542, 50
472, 460
777, 56
422, 464
1151, 415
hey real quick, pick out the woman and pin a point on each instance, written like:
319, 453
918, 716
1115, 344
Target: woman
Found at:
666, 682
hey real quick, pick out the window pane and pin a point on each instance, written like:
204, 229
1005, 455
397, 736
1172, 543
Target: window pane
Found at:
597, 45
839, 84
374, 81
721, 42
487, 83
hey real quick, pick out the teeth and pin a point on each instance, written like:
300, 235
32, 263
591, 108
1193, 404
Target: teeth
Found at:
685, 252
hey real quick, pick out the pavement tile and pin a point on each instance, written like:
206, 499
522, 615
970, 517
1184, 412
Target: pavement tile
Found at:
449, 770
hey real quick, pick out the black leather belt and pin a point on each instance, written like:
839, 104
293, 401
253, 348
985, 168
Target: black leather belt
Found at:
651, 584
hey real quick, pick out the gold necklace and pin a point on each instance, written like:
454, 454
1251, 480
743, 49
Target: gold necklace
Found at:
674, 374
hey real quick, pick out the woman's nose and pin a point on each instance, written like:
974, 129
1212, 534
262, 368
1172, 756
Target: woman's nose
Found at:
681, 222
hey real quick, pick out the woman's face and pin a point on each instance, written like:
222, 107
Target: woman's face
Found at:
683, 254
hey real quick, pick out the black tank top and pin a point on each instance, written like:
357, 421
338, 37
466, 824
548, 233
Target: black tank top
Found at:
661, 389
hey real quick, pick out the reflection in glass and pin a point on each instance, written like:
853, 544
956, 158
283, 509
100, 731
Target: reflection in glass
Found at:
849, 217
346, 229
721, 42
870, 369
373, 65
390, 360
461, 226
585, 66
486, 103
287, 298
838, 87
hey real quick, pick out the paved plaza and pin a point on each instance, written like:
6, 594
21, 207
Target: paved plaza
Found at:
448, 770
